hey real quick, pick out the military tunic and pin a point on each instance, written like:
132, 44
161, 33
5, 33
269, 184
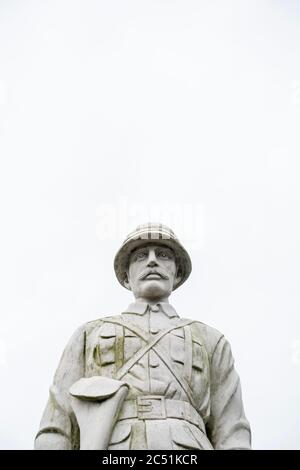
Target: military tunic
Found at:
184, 393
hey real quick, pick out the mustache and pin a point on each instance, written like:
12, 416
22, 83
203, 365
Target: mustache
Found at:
153, 271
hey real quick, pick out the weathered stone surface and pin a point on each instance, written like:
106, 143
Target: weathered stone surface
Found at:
146, 379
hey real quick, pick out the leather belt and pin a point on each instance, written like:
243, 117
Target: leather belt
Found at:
159, 407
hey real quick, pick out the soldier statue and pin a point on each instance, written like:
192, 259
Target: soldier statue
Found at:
146, 379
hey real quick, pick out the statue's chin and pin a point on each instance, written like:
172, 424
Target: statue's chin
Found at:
154, 290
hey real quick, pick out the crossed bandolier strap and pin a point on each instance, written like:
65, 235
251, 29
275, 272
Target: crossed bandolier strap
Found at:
152, 344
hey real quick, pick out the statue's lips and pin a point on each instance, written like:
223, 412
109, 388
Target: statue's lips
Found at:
153, 276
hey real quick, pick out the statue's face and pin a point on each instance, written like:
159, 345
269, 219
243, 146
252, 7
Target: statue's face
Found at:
152, 272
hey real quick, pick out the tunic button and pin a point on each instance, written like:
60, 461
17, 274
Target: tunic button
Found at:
154, 330
155, 308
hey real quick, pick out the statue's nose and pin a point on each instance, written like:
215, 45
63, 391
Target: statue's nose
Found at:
152, 261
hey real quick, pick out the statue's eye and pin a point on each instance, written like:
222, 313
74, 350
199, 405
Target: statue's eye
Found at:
141, 255
163, 254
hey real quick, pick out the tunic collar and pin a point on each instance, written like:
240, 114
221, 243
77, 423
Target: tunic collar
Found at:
141, 308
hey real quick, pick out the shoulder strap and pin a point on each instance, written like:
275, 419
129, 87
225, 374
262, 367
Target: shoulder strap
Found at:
150, 343
162, 354
130, 326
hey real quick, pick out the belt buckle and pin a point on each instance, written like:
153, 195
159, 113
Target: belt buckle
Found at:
151, 407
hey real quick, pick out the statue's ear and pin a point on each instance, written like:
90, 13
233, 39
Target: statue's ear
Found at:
178, 277
126, 281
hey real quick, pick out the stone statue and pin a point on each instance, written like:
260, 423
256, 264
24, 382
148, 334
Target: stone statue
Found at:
146, 379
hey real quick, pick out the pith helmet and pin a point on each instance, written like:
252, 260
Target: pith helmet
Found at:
152, 233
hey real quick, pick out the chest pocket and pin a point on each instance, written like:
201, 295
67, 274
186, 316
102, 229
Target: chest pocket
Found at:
108, 354
105, 351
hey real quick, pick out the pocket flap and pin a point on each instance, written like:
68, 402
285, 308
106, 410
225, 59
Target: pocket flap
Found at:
178, 332
129, 334
183, 437
95, 388
108, 330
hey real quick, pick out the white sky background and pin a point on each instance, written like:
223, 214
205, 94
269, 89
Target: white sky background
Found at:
112, 112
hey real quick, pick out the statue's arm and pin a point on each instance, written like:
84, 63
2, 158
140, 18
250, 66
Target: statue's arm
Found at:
58, 427
227, 426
